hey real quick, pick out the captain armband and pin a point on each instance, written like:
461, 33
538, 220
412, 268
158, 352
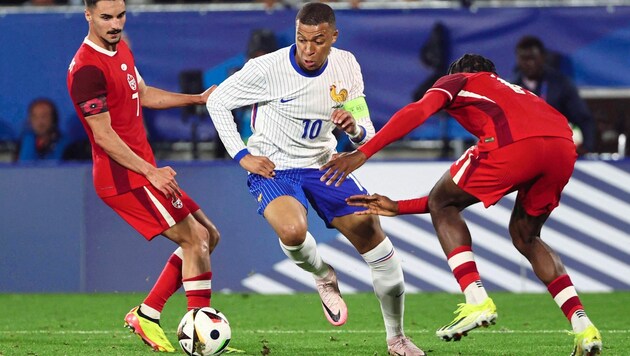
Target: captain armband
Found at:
359, 110
357, 107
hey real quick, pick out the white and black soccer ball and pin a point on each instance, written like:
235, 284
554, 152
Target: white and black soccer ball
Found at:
204, 332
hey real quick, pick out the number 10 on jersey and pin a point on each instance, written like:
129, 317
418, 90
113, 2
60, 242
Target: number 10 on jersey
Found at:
312, 128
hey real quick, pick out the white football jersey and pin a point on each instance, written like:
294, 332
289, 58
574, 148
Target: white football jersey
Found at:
291, 112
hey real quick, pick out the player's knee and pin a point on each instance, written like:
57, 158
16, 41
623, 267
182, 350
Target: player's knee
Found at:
371, 230
435, 202
522, 238
213, 237
292, 234
197, 240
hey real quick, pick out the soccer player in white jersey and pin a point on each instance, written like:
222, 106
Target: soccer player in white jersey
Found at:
299, 95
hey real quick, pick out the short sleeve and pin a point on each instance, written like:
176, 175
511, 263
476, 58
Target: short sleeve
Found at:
88, 83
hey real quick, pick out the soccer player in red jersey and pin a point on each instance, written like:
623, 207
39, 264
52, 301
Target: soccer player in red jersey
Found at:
524, 145
108, 92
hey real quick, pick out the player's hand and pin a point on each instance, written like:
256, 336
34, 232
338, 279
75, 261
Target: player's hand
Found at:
343, 120
204, 96
258, 165
338, 168
376, 205
163, 179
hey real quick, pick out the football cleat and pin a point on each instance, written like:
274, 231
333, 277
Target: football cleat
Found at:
588, 342
469, 317
148, 330
403, 346
334, 307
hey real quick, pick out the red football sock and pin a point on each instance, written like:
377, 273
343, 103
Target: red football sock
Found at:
168, 283
463, 265
198, 290
565, 295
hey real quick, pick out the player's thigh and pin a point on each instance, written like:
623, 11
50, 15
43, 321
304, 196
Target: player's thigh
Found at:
330, 201
213, 232
446, 193
188, 232
282, 202
488, 176
542, 194
287, 216
148, 211
523, 227
363, 231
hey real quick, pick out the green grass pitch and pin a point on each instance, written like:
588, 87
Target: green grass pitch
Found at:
91, 324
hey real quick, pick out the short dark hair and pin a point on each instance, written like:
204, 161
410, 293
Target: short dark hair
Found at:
315, 13
527, 42
472, 63
92, 3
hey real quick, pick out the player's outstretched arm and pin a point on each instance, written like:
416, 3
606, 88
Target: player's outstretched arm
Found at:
375, 204
105, 137
155, 98
381, 205
340, 167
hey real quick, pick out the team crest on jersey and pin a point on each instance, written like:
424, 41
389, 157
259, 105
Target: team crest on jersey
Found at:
177, 203
132, 81
338, 96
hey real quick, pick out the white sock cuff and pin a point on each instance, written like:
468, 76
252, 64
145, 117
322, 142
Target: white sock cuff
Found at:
150, 312
460, 258
179, 253
380, 253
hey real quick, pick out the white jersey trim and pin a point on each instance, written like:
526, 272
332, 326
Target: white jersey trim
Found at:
99, 48
165, 214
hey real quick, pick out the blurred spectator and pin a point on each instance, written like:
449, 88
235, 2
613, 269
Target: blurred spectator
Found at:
535, 74
42, 140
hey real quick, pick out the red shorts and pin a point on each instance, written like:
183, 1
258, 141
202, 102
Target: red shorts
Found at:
538, 167
148, 211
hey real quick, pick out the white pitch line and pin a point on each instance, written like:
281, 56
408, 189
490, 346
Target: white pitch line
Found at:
332, 331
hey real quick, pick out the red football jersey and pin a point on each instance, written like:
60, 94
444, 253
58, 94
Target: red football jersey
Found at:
498, 112
95, 72
495, 111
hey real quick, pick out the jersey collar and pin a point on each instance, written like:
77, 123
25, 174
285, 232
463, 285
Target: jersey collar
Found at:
99, 48
305, 73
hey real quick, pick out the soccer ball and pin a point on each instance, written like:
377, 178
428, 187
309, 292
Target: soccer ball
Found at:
204, 332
